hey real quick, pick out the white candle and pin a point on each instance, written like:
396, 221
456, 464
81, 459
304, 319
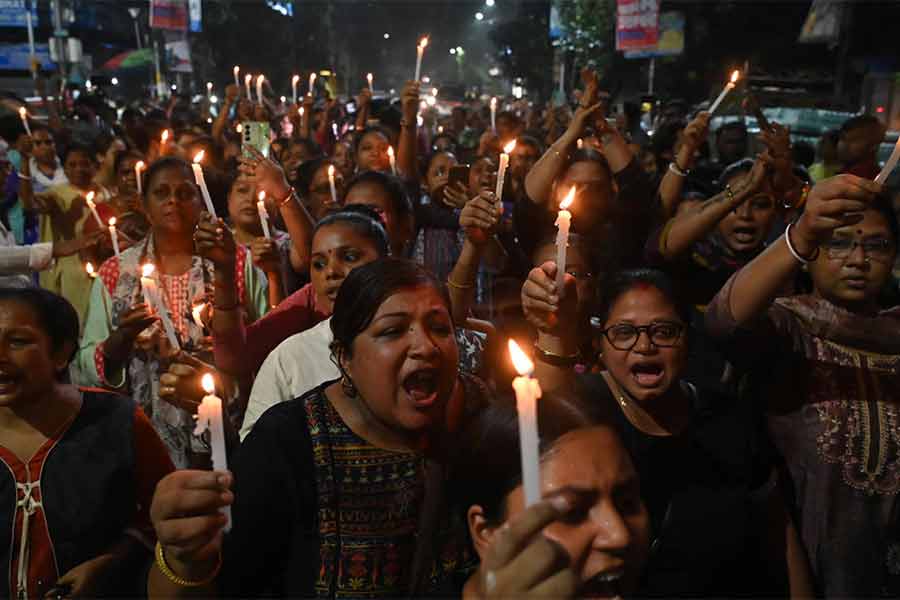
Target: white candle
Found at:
114, 236
528, 390
370, 78
259, 88
209, 418
23, 114
331, 184
890, 165
393, 159
138, 168
501, 170
156, 303
92, 273
312, 83
237, 78
248, 81
263, 214
420, 51
163, 140
201, 182
209, 87
728, 87
295, 80
494, 114
563, 220
89, 199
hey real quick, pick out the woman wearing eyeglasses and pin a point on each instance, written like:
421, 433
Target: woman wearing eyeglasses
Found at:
720, 527
827, 376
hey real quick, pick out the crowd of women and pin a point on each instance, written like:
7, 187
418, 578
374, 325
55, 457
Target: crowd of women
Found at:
719, 357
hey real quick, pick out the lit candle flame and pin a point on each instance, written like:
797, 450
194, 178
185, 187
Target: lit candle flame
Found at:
494, 102
390, 151
23, 112
236, 70
197, 313
423, 42
209, 86
112, 221
331, 171
90, 269
90, 197
261, 195
208, 383
198, 158
260, 79
520, 360
568, 200
369, 78
735, 76
295, 80
248, 78
240, 128
508, 149
165, 136
140, 165
147, 270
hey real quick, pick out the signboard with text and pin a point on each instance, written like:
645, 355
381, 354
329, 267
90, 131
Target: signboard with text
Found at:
12, 13
671, 38
637, 24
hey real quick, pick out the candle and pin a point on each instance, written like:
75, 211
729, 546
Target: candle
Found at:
91, 205
890, 165
163, 139
392, 158
528, 390
259, 88
248, 80
494, 114
263, 214
201, 182
153, 299
331, 184
312, 83
370, 78
501, 171
420, 51
295, 80
209, 87
139, 166
114, 236
563, 220
728, 87
237, 78
89, 267
197, 313
23, 114
580, 143
209, 418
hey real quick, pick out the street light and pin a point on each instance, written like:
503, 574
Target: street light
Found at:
387, 36
489, 3
452, 50
114, 81
479, 16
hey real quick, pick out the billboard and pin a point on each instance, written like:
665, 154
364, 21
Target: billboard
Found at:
637, 24
671, 37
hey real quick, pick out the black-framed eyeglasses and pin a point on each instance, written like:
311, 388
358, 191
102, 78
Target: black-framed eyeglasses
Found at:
624, 336
879, 249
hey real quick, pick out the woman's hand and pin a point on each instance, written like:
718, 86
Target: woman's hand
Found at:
266, 174
521, 562
215, 242
135, 320
541, 302
232, 93
85, 580
409, 101
265, 255
71, 247
692, 138
180, 384
26, 147
832, 203
456, 195
479, 218
188, 522
584, 117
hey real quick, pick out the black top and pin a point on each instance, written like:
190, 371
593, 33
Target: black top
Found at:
704, 490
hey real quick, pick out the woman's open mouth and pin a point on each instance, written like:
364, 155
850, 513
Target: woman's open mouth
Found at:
606, 584
421, 386
648, 374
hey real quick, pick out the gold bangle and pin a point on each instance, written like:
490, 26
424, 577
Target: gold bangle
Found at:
174, 578
290, 195
460, 286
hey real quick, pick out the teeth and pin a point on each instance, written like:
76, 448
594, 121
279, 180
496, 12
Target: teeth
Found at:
609, 577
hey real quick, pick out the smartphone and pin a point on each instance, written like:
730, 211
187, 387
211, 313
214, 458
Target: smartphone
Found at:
255, 135
459, 173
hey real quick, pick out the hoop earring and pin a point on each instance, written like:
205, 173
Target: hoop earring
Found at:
348, 387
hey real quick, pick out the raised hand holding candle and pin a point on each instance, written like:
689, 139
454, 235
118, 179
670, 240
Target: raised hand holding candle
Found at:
263, 214
139, 167
259, 88
728, 87
114, 236
563, 220
501, 170
209, 418
370, 79
331, 184
420, 51
155, 301
201, 182
248, 81
890, 165
528, 390
312, 83
89, 199
23, 114
494, 114
295, 80
393, 159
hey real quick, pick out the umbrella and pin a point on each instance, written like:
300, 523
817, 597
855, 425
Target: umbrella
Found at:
130, 60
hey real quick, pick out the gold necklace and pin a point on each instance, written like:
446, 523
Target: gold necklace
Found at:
635, 413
